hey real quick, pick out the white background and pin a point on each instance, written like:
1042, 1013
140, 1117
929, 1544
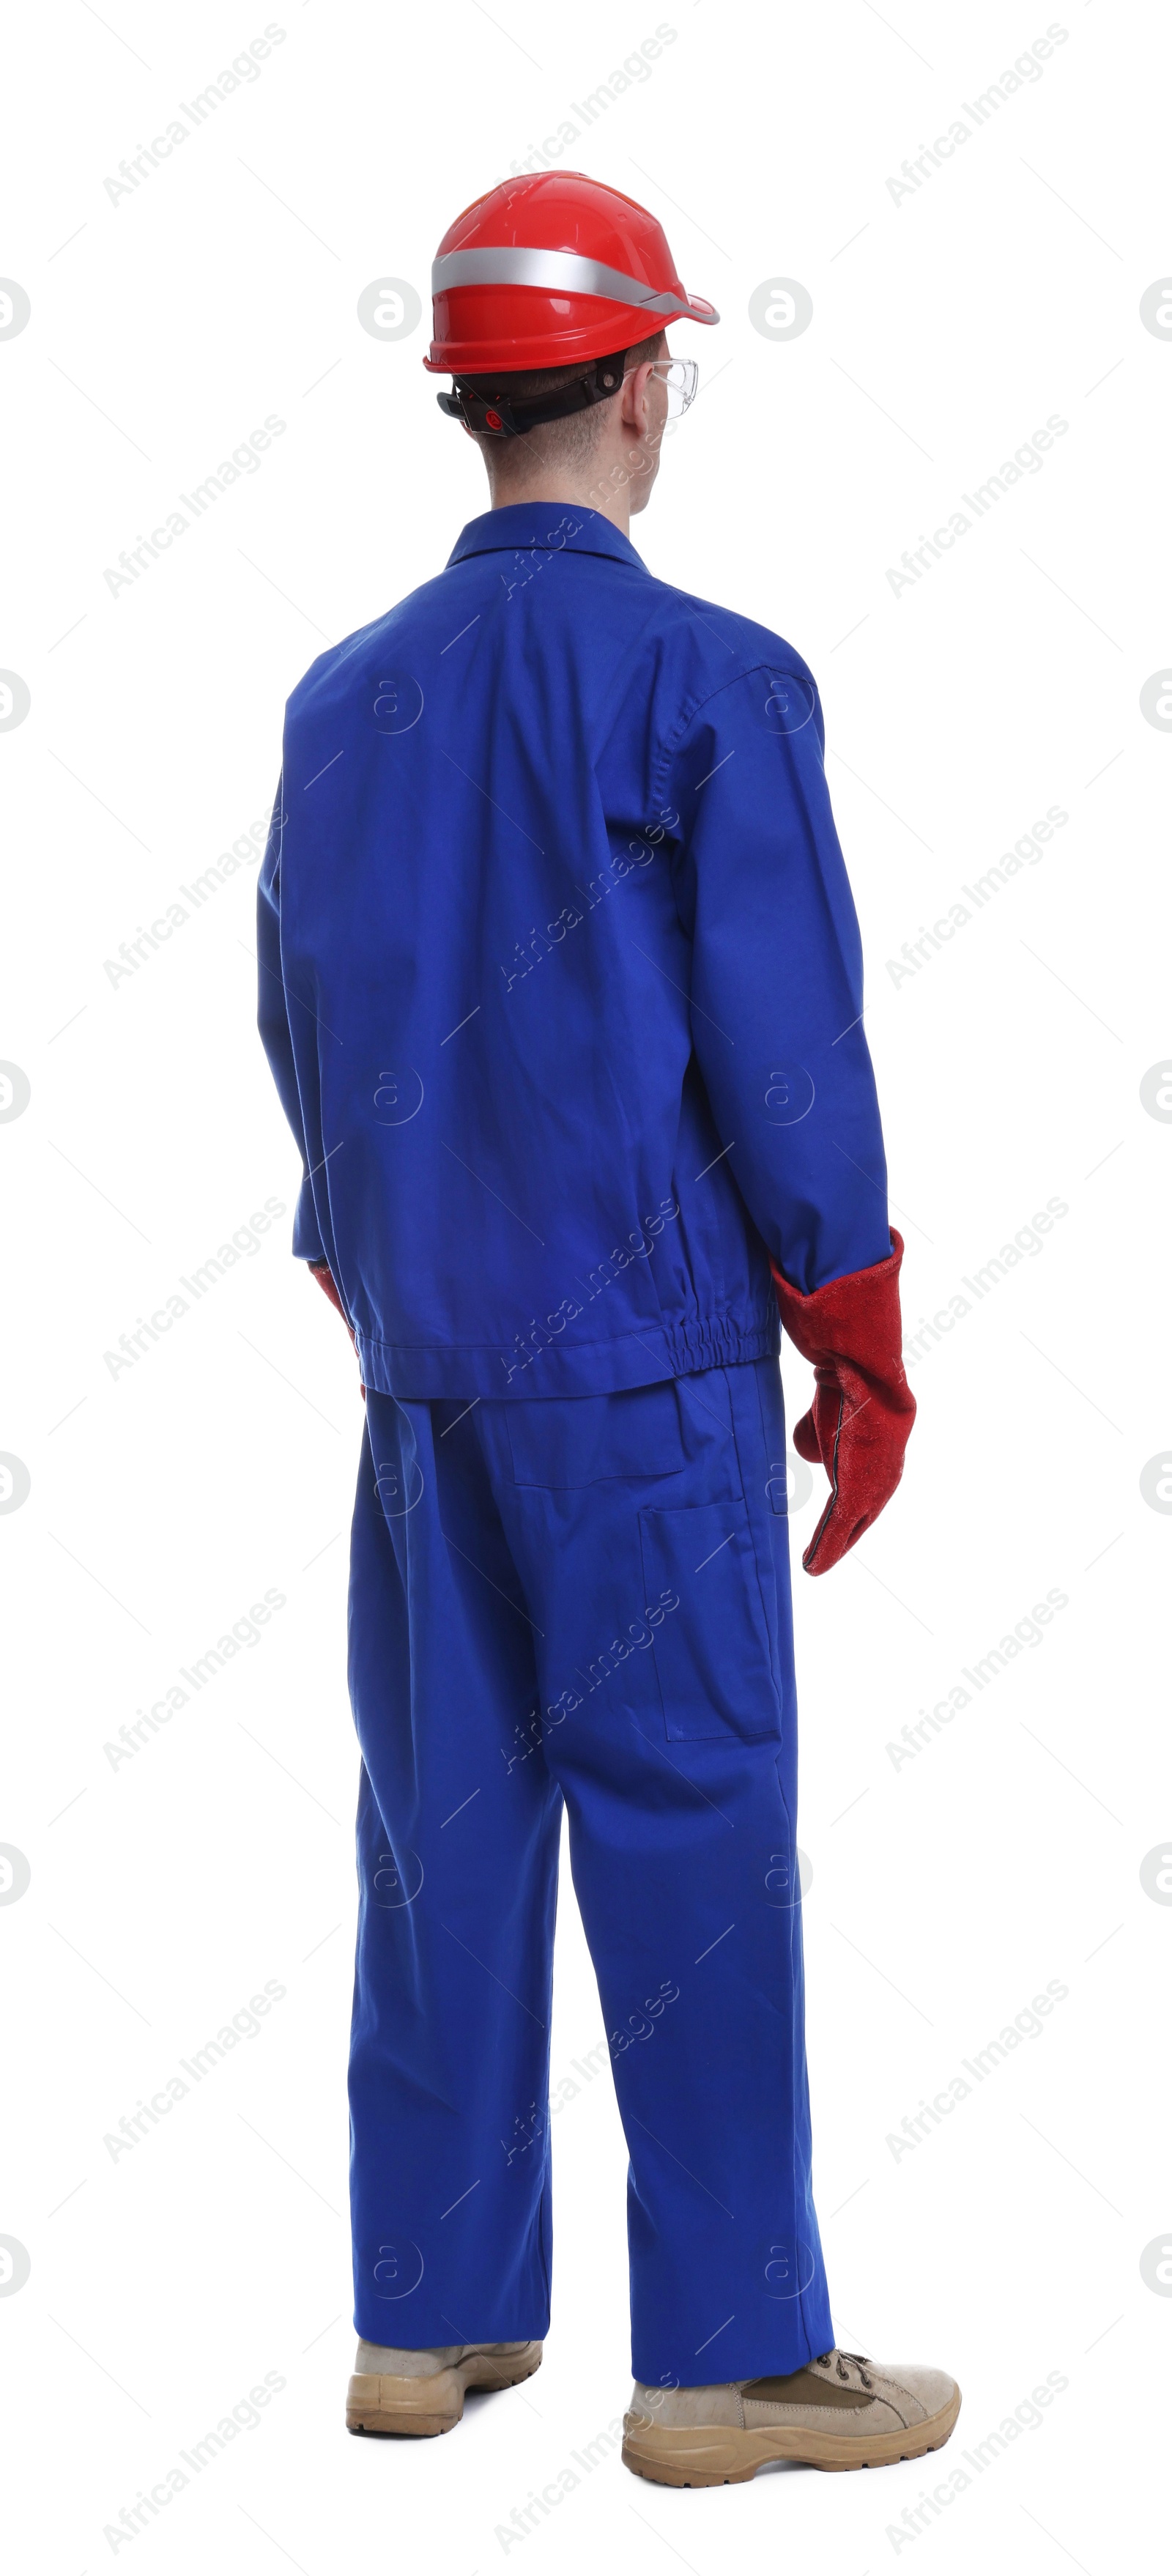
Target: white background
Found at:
947, 327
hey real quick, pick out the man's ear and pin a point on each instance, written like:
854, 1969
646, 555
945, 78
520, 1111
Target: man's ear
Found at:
634, 396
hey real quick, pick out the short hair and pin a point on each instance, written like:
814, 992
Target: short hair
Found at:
564, 442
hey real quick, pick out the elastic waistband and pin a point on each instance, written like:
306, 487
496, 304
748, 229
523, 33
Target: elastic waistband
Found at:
547, 1367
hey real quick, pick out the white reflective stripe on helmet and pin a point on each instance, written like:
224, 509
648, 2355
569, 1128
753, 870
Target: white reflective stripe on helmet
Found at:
559, 270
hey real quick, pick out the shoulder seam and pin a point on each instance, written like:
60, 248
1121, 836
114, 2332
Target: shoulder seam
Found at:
692, 707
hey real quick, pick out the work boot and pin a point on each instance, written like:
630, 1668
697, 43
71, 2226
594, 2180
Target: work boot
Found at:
394, 2391
839, 2412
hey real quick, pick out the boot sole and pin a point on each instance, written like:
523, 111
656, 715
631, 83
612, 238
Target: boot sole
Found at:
699, 2455
380, 2403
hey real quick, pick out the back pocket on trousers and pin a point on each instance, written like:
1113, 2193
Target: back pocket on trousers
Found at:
711, 1646
564, 1441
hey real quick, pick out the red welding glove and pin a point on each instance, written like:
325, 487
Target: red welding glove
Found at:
320, 1270
863, 1409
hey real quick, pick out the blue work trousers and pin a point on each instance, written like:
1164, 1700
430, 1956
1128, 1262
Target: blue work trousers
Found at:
581, 1599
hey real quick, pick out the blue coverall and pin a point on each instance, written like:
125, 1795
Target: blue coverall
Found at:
561, 988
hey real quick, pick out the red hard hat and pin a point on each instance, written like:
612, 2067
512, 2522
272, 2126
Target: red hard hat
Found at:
548, 269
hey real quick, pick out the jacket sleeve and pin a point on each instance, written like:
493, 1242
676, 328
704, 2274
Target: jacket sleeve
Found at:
776, 986
273, 1023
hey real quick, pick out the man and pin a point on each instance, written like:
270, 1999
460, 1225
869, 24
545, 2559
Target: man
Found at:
561, 987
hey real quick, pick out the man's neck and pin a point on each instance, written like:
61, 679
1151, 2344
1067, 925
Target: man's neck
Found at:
594, 491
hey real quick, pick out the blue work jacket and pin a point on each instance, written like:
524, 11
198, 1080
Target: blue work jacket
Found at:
560, 976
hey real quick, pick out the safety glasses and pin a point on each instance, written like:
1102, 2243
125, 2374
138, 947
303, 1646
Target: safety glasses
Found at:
680, 377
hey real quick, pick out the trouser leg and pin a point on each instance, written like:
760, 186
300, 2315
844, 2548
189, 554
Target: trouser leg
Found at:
458, 1827
650, 1532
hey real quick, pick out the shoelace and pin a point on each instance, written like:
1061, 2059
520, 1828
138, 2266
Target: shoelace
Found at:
840, 2360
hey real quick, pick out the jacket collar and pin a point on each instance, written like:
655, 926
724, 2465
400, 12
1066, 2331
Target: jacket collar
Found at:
546, 526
